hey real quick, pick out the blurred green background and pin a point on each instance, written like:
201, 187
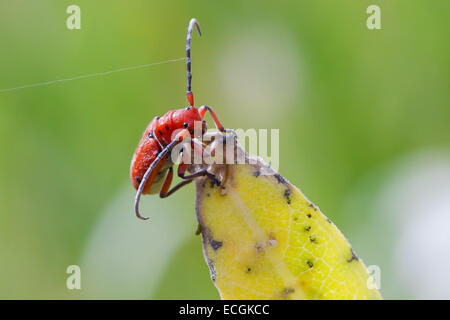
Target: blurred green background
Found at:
364, 118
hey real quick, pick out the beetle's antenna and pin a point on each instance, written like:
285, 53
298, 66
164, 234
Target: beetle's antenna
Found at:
147, 174
189, 94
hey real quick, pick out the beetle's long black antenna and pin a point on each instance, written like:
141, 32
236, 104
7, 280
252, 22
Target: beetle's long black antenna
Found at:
193, 22
159, 158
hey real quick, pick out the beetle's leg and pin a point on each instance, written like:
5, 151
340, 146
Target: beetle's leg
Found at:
202, 110
188, 179
166, 184
165, 192
201, 173
182, 167
175, 188
154, 168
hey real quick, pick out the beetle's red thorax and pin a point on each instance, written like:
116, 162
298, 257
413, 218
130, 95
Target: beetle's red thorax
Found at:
175, 120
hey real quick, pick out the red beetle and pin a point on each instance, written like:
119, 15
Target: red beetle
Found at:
151, 167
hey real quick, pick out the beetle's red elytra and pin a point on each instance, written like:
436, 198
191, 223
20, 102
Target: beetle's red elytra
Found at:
151, 169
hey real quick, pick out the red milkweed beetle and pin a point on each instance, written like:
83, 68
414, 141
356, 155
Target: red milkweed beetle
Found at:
151, 166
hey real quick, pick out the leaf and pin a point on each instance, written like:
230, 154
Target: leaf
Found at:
263, 239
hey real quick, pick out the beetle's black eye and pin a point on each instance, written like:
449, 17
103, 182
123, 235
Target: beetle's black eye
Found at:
185, 124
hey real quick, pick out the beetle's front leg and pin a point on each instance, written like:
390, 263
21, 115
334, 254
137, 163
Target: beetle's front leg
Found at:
182, 167
201, 173
165, 192
202, 110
